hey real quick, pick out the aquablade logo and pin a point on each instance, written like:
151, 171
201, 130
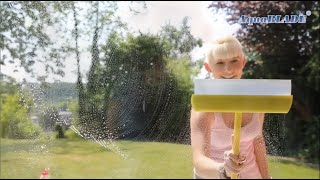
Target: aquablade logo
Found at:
274, 19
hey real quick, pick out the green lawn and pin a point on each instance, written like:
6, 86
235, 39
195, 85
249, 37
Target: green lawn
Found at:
126, 159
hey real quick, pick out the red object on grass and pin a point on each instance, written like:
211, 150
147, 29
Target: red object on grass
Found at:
45, 172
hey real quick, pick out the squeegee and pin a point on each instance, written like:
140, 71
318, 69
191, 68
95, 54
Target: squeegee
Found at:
241, 96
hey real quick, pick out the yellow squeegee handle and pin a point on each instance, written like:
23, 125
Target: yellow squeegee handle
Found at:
236, 137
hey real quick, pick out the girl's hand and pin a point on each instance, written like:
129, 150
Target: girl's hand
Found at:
233, 163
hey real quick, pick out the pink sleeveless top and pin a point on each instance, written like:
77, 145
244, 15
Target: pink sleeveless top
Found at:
221, 141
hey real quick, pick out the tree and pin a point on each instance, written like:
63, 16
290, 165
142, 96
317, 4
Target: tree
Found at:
284, 51
102, 20
158, 74
8, 85
24, 38
181, 71
15, 121
181, 41
137, 95
38, 32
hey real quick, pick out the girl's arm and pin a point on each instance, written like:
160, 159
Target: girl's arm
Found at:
200, 143
261, 153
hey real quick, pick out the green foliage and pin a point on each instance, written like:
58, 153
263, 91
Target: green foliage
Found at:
183, 70
15, 122
180, 41
311, 145
152, 74
27, 36
128, 63
72, 135
171, 121
8, 86
73, 107
312, 68
24, 34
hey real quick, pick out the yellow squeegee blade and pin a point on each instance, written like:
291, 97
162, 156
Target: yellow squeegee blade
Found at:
241, 103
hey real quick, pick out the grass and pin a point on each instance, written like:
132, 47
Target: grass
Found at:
122, 159
289, 168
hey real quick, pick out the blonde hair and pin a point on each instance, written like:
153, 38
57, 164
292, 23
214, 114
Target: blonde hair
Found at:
225, 48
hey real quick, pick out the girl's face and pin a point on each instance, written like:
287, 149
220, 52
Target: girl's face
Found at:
231, 68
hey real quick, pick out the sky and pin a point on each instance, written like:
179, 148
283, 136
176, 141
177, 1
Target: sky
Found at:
157, 14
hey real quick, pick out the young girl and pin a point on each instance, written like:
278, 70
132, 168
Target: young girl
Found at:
211, 133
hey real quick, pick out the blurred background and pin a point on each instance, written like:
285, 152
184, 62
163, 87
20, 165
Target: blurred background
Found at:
103, 89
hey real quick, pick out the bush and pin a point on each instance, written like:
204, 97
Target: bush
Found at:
23, 129
310, 152
15, 121
70, 134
